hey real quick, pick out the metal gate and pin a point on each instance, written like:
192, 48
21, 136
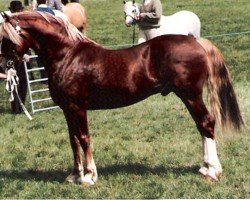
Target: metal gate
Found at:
38, 90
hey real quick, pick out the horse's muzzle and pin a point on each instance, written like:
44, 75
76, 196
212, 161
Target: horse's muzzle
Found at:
128, 24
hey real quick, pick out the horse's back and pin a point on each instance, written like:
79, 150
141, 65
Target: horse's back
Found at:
183, 22
76, 14
75, 10
178, 54
60, 14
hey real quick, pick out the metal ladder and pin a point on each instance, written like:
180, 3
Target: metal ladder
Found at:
32, 92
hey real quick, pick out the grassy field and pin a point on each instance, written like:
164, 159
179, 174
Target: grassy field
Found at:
148, 150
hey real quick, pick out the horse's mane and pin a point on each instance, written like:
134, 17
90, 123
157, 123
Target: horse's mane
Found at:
7, 29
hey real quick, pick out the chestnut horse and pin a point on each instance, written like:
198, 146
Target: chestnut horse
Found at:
85, 76
76, 15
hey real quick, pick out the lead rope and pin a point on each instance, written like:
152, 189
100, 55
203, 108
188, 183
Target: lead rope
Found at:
133, 34
11, 86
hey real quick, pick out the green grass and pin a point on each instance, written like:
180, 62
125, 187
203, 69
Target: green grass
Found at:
148, 150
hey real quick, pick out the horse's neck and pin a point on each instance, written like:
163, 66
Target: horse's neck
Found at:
45, 37
138, 7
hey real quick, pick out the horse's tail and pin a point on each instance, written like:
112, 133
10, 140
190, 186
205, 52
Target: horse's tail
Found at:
223, 100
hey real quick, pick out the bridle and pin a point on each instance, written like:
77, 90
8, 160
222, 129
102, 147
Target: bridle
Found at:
133, 17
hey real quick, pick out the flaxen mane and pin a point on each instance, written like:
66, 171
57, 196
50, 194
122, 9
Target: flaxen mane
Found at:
7, 29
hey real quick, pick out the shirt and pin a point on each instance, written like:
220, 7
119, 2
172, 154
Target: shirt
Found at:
56, 4
151, 11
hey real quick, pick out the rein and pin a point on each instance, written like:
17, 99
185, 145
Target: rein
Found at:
11, 85
133, 23
133, 41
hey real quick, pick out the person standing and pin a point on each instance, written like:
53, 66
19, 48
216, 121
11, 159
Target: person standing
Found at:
64, 2
55, 4
43, 7
16, 6
149, 18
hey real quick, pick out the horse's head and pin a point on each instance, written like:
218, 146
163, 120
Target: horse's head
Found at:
39, 31
14, 42
10, 54
131, 10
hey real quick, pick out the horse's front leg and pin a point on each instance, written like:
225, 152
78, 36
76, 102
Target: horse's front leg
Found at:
91, 172
79, 136
77, 174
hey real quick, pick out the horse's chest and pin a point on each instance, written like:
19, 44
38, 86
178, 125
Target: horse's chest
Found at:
63, 85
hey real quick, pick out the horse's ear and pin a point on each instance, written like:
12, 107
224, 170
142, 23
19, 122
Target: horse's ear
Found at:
133, 1
124, 1
5, 16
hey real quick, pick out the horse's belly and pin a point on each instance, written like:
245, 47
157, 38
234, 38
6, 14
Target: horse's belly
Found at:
110, 99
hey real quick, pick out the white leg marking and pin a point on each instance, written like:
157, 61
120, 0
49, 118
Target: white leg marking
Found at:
76, 177
211, 159
91, 177
205, 156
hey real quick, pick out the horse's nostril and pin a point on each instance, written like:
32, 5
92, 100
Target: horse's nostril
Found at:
127, 24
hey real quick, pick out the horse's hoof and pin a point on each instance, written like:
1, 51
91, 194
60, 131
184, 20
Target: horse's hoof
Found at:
211, 178
203, 171
71, 178
87, 181
210, 174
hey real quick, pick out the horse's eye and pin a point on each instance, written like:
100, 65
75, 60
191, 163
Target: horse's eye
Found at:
133, 11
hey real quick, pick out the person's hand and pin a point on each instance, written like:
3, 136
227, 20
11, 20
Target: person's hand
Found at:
137, 16
12, 72
26, 58
140, 16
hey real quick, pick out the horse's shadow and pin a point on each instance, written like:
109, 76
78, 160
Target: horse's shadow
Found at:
60, 175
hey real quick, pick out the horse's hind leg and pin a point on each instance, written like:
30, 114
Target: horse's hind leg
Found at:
205, 124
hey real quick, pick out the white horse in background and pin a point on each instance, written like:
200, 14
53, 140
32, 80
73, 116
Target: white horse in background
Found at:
180, 23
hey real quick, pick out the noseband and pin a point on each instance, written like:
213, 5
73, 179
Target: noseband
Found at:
132, 17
